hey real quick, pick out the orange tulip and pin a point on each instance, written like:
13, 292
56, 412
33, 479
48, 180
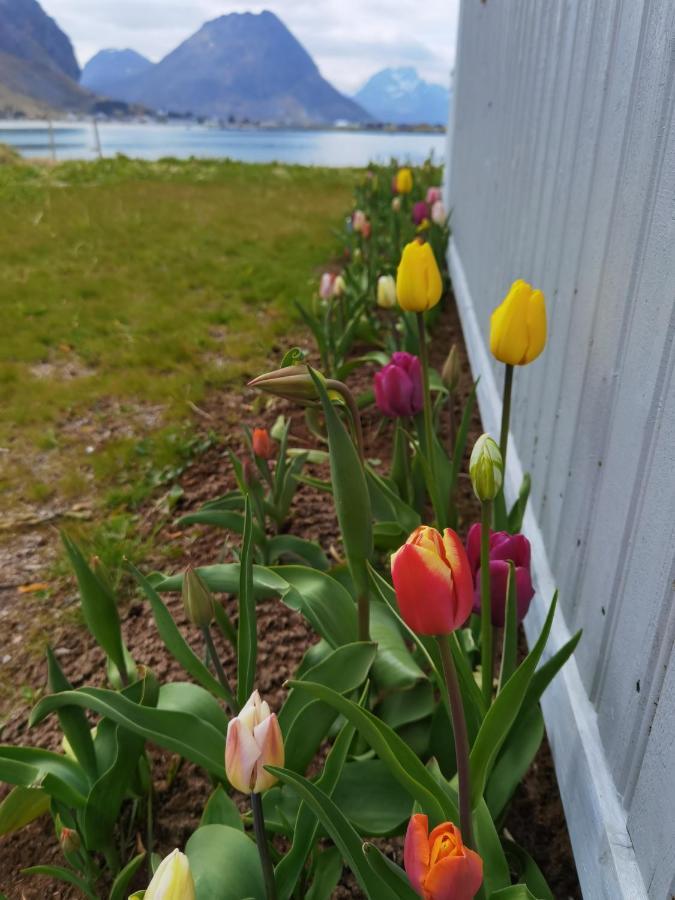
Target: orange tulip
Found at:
433, 581
262, 443
438, 865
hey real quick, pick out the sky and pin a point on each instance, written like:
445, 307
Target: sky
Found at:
349, 39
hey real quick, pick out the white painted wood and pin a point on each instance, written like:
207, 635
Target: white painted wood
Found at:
561, 170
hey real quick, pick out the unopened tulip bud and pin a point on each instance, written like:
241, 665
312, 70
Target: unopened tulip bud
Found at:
418, 280
438, 213
172, 880
326, 285
486, 468
262, 443
450, 371
358, 220
434, 194
197, 599
254, 741
339, 286
291, 383
518, 325
69, 840
386, 292
404, 181
396, 204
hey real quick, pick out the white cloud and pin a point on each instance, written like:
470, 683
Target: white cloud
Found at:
349, 39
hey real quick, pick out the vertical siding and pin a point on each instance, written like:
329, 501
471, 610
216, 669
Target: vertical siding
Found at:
562, 171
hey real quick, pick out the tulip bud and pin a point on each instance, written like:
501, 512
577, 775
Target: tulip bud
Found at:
438, 865
367, 229
197, 599
358, 220
420, 212
262, 443
69, 840
398, 386
450, 371
433, 581
396, 204
404, 181
504, 548
291, 383
518, 326
253, 741
357, 255
486, 468
438, 213
172, 880
326, 285
418, 281
386, 292
339, 286
434, 194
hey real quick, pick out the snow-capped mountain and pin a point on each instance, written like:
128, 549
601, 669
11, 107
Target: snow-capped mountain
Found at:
402, 97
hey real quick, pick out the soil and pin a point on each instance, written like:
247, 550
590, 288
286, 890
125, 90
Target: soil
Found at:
536, 818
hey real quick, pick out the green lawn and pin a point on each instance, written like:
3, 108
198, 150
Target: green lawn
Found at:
129, 288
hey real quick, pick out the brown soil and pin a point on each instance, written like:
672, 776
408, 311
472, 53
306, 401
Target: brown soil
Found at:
536, 818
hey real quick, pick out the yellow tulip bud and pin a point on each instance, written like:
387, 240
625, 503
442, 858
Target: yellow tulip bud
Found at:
197, 599
172, 880
486, 468
404, 181
418, 281
518, 326
386, 292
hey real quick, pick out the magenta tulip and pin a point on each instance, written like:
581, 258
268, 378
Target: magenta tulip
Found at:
504, 548
398, 386
420, 212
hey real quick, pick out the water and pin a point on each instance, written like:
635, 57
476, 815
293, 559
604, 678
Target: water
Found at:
76, 140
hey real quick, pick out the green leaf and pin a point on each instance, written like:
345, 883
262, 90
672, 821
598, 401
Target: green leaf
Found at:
389, 873
21, 806
98, 607
388, 805
61, 874
289, 545
517, 513
121, 883
515, 892
510, 644
27, 766
341, 832
462, 436
179, 732
174, 640
528, 871
394, 667
73, 721
225, 864
221, 809
183, 696
403, 707
327, 872
401, 760
247, 638
502, 714
546, 673
515, 758
496, 873
221, 518
388, 506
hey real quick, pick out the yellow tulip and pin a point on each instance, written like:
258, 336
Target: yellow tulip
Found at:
518, 325
172, 880
404, 181
418, 281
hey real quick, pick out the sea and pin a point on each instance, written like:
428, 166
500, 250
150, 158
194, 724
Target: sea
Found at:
79, 140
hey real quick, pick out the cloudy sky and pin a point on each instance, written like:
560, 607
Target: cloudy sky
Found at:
349, 39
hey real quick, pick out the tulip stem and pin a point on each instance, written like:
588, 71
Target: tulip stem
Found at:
220, 672
461, 740
500, 521
428, 420
485, 605
263, 848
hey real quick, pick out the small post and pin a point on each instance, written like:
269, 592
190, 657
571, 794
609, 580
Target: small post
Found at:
97, 140
52, 142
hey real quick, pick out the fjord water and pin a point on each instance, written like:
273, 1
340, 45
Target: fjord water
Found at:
77, 140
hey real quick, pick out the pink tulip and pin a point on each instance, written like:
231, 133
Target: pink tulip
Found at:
438, 213
398, 386
434, 194
504, 548
359, 219
254, 740
326, 285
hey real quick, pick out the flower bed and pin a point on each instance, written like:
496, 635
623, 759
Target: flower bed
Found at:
402, 685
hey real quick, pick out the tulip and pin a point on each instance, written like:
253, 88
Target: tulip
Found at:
450, 371
326, 285
438, 865
291, 383
339, 286
486, 468
433, 581
396, 204
504, 548
418, 281
262, 443
386, 292
398, 386
404, 181
172, 880
518, 326
420, 212
358, 220
197, 599
69, 840
253, 741
434, 195
366, 229
438, 213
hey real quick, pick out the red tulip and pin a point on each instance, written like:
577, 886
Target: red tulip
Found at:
438, 865
433, 582
262, 443
504, 548
398, 386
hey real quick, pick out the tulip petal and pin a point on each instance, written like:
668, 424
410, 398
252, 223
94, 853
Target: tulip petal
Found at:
461, 576
270, 741
508, 325
416, 852
241, 755
424, 590
434, 282
172, 880
536, 326
473, 547
455, 877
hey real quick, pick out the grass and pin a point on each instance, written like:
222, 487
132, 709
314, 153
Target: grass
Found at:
128, 289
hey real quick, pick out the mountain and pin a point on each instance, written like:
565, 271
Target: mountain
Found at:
107, 68
244, 66
38, 69
402, 97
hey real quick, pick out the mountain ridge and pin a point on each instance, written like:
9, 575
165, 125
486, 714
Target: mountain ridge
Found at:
399, 96
108, 67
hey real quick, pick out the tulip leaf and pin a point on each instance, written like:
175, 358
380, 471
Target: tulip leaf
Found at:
221, 809
341, 832
403, 763
61, 874
389, 873
21, 806
510, 643
411, 705
515, 758
528, 871
230, 500
546, 673
517, 513
503, 712
388, 506
121, 883
388, 805
394, 667
247, 637
496, 873
174, 640
462, 437
327, 872
225, 864
289, 545
73, 721
180, 732
514, 892
27, 765
183, 696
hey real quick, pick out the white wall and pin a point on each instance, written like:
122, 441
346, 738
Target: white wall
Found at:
561, 170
